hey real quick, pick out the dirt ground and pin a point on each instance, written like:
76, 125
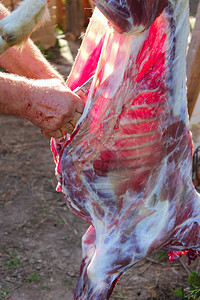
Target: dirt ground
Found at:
40, 239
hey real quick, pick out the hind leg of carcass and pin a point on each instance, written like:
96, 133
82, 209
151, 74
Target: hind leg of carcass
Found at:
17, 26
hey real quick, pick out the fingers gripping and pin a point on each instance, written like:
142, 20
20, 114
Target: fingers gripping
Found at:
17, 27
68, 128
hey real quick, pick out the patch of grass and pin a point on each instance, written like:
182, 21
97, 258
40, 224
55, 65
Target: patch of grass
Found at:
12, 263
195, 125
46, 53
2, 70
43, 209
3, 293
2, 247
33, 278
193, 292
50, 54
124, 296
192, 23
61, 222
13, 260
59, 30
70, 281
179, 292
46, 287
162, 255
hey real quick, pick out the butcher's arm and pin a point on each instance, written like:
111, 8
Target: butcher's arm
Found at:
28, 62
48, 103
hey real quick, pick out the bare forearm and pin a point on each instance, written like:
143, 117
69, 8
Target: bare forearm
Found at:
28, 62
14, 94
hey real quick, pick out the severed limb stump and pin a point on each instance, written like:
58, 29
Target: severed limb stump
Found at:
193, 66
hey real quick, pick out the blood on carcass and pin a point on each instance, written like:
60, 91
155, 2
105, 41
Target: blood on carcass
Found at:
126, 169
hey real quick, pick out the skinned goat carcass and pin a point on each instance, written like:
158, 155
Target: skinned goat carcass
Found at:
18, 26
126, 169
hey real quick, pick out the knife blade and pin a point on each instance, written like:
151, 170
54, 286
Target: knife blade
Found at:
85, 86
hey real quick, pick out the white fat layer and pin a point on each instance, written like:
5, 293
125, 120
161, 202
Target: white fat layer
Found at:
151, 227
148, 229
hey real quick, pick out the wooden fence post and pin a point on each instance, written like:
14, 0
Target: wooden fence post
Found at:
193, 66
60, 14
74, 17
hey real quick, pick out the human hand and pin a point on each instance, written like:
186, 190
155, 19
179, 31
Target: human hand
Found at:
53, 107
